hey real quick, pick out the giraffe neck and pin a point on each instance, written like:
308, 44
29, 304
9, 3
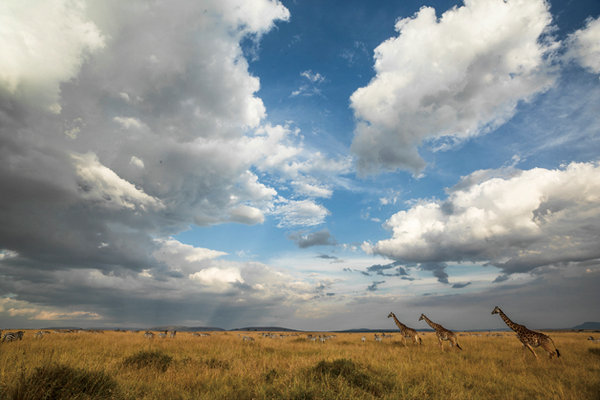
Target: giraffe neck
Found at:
432, 324
400, 324
507, 321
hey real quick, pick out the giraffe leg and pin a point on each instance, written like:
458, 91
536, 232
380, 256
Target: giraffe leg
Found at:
456, 343
530, 349
441, 344
550, 348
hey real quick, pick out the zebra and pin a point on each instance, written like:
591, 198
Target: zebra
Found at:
377, 338
173, 333
12, 336
39, 334
363, 339
247, 339
148, 335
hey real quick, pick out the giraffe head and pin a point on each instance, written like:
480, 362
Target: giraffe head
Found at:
496, 310
422, 317
391, 314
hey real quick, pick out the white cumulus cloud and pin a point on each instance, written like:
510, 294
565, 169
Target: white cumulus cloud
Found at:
300, 213
44, 43
451, 77
584, 46
518, 222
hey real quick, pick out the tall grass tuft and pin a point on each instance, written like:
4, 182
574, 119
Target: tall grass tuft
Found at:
373, 382
149, 359
58, 382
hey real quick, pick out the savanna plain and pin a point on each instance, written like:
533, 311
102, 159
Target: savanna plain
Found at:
127, 365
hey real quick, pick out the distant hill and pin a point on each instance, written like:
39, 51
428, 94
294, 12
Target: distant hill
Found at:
186, 328
265, 329
62, 328
370, 330
588, 325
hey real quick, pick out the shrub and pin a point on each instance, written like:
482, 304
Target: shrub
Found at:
59, 382
149, 359
216, 363
355, 375
271, 375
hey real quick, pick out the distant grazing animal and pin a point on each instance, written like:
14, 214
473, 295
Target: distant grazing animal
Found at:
442, 333
528, 337
173, 333
363, 339
377, 338
12, 336
148, 335
405, 331
247, 339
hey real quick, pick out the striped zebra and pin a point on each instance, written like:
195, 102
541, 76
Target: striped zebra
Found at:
148, 335
363, 339
172, 334
377, 338
247, 339
12, 336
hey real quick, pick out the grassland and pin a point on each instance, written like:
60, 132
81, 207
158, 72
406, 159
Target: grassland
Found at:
125, 365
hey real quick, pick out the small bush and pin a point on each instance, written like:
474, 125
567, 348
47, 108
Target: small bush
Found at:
355, 375
149, 359
595, 351
216, 363
63, 382
271, 375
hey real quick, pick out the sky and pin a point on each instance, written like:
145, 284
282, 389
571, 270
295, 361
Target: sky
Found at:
303, 164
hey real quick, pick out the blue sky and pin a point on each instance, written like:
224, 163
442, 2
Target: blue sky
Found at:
305, 164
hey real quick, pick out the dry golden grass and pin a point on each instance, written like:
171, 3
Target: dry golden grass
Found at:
123, 365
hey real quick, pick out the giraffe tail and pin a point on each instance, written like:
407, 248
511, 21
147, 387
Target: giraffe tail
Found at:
458, 345
555, 348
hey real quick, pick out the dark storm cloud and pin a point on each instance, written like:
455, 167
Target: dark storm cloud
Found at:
380, 269
374, 286
460, 285
327, 257
319, 238
438, 269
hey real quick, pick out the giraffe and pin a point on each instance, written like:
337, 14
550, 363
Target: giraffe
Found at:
405, 331
441, 333
528, 337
